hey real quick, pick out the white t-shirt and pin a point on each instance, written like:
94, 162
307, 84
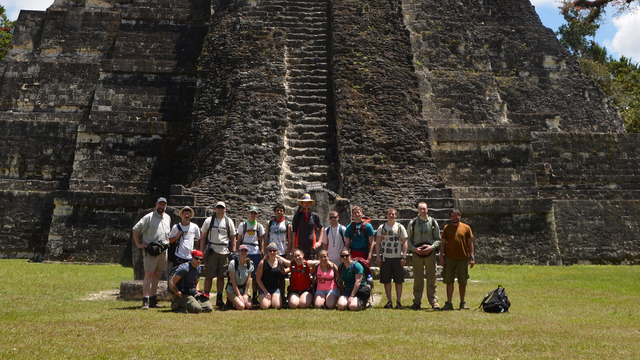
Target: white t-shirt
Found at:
278, 235
335, 242
217, 237
251, 236
190, 234
391, 246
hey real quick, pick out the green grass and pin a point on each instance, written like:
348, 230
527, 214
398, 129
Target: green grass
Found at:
576, 312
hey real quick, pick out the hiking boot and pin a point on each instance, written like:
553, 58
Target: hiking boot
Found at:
463, 306
219, 302
389, 305
255, 301
399, 306
145, 303
415, 306
447, 306
153, 302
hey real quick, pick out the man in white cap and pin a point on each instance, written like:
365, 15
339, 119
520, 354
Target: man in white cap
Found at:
185, 234
217, 240
154, 229
307, 229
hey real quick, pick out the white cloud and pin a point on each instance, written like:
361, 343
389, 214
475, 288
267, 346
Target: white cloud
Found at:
545, 3
13, 7
627, 38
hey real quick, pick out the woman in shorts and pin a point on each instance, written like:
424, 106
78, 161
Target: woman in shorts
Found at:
352, 277
240, 270
300, 290
326, 287
270, 270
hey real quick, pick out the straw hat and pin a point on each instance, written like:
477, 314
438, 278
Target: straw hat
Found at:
306, 198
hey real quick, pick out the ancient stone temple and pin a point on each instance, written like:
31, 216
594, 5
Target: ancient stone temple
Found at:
106, 105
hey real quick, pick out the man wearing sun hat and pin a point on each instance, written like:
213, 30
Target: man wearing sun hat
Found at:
185, 234
152, 232
183, 284
307, 229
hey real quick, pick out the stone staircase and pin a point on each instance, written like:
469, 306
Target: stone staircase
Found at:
307, 162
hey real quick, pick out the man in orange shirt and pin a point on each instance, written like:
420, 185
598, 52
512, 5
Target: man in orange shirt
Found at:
457, 256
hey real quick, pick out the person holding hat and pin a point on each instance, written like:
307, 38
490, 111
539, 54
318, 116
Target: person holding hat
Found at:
217, 240
185, 234
268, 275
307, 229
239, 280
151, 234
250, 233
183, 284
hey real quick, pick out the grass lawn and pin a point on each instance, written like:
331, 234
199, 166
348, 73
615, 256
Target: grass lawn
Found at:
575, 312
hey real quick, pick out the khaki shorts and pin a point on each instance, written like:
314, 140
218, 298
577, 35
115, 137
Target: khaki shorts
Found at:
453, 269
154, 263
216, 265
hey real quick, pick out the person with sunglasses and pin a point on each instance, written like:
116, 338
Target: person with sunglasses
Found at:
270, 270
184, 286
351, 280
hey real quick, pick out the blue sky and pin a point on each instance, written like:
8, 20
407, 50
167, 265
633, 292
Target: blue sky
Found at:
620, 33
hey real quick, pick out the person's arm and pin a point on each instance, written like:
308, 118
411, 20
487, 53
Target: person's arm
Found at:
356, 285
289, 241
436, 235
313, 263
325, 240
372, 242
246, 287
177, 235
232, 278
443, 244
404, 247
286, 262
410, 245
259, 279
321, 238
378, 246
136, 240
472, 258
173, 285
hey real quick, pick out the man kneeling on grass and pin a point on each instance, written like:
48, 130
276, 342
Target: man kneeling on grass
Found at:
183, 284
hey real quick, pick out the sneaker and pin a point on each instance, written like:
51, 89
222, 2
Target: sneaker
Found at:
436, 307
389, 305
145, 303
399, 306
463, 306
368, 305
219, 302
414, 306
447, 306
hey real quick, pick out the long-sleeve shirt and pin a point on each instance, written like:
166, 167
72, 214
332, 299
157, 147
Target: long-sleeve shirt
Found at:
423, 231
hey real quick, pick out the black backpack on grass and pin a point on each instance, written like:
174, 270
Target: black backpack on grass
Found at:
496, 301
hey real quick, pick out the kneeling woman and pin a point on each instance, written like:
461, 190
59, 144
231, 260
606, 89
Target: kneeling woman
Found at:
352, 276
240, 280
327, 287
301, 289
270, 271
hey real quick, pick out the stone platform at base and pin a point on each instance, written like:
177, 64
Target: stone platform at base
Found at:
132, 290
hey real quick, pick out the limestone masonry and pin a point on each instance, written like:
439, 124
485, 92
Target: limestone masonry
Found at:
106, 105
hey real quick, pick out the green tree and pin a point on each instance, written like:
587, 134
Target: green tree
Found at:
6, 32
592, 10
619, 79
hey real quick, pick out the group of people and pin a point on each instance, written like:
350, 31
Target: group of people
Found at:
326, 267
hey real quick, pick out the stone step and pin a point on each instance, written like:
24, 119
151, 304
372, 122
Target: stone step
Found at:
303, 160
307, 143
308, 108
312, 151
298, 72
309, 177
318, 168
321, 93
301, 85
308, 79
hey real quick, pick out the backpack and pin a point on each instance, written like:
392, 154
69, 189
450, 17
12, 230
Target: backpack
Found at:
365, 265
244, 231
226, 222
496, 301
173, 248
413, 231
340, 231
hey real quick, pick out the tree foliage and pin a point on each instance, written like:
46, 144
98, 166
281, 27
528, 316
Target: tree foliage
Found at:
6, 32
592, 10
619, 79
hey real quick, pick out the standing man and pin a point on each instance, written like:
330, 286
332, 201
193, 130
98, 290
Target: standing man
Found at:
251, 233
424, 240
184, 286
359, 236
307, 229
186, 234
334, 241
154, 228
217, 240
279, 232
391, 247
457, 256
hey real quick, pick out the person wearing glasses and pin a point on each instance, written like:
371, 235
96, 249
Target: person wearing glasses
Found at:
352, 279
391, 247
184, 286
240, 269
270, 270
185, 234
334, 241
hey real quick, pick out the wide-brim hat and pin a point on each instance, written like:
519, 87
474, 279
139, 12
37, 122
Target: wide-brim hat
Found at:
188, 209
306, 198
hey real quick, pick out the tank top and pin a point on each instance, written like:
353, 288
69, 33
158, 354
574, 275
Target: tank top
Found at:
271, 275
300, 278
326, 280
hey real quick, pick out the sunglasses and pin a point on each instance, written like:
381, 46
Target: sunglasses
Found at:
273, 250
197, 258
333, 217
344, 256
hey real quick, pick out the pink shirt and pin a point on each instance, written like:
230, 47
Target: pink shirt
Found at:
326, 280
